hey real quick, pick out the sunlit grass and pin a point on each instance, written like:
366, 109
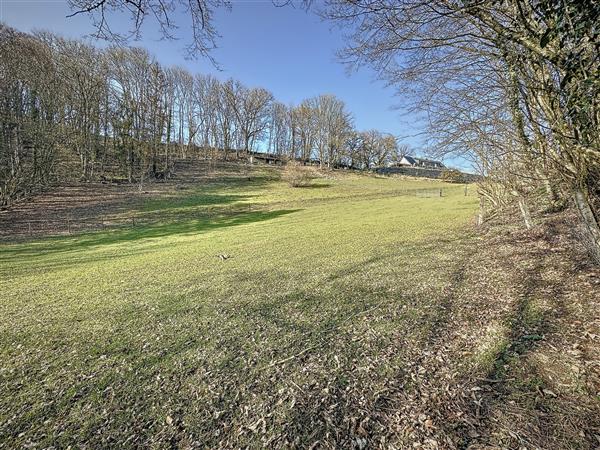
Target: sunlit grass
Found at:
145, 331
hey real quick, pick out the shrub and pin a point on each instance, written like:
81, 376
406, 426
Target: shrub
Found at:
452, 176
297, 175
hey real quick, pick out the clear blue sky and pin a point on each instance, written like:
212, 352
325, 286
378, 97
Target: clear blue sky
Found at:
286, 50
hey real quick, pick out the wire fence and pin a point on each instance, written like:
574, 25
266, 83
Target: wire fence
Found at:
74, 225
71, 224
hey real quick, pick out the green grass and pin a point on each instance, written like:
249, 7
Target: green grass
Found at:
144, 337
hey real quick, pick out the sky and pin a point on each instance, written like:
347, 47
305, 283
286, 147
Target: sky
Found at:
286, 50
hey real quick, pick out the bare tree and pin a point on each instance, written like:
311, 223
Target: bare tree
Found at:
30, 107
251, 110
279, 128
83, 73
332, 123
199, 12
538, 62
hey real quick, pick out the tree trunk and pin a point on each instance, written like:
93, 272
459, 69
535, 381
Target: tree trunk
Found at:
553, 197
130, 163
525, 213
481, 214
168, 143
590, 222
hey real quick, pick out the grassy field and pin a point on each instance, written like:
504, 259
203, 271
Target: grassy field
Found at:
145, 337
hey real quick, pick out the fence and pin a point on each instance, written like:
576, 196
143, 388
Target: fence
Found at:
66, 225
421, 172
71, 224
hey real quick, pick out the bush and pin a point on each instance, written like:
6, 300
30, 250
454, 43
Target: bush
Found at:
297, 175
452, 176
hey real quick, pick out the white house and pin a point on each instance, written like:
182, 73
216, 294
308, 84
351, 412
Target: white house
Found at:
413, 161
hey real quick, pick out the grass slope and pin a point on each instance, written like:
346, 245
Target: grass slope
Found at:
144, 337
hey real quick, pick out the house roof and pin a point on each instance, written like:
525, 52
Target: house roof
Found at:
430, 161
415, 160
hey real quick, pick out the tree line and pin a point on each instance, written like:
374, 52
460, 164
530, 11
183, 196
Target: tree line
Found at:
70, 109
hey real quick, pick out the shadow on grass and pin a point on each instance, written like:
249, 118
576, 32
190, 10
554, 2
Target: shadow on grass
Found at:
87, 241
315, 186
525, 367
208, 197
211, 194
194, 200
239, 180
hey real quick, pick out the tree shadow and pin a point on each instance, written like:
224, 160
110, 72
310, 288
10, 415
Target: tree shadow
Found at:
79, 206
316, 186
201, 199
133, 235
516, 394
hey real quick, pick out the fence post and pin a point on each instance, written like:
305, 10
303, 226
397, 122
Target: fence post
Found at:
29, 224
466, 187
440, 192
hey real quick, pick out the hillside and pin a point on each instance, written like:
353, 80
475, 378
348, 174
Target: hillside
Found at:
196, 190
237, 311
